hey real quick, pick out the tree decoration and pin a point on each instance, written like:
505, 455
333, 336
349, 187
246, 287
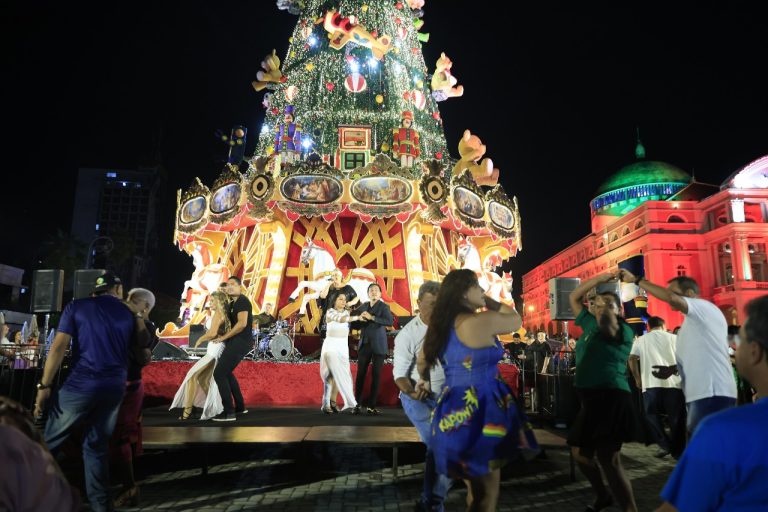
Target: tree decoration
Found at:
355, 82
271, 73
342, 30
290, 92
443, 81
405, 141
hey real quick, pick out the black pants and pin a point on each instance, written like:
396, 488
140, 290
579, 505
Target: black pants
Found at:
233, 353
364, 357
671, 403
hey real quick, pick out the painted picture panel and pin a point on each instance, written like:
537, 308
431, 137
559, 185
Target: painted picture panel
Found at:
381, 190
225, 198
311, 189
193, 210
501, 215
469, 203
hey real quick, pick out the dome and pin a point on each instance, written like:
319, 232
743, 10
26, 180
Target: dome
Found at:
636, 183
752, 175
645, 172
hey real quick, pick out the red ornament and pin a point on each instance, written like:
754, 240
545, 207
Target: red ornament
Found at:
415, 51
350, 59
398, 21
275, 111
399, 5
329, 86
375, 33
306, 47
283, 79
439, 155
355, 82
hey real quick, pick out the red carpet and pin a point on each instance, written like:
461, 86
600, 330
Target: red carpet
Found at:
270, 383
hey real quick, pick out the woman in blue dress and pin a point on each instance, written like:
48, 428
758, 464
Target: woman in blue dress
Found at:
476, 426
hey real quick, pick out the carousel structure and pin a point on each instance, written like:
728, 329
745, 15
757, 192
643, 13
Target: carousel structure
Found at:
351, 172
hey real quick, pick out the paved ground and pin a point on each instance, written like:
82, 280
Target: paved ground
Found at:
360, 479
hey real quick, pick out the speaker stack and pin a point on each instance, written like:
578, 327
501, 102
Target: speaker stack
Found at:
560, 289
47, 291
84, 281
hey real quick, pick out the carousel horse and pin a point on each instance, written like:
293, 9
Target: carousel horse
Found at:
324, 264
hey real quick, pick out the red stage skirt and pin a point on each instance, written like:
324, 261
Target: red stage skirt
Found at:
269, 383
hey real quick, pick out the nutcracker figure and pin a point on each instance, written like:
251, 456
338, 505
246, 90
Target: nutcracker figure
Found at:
405, 141
288, 138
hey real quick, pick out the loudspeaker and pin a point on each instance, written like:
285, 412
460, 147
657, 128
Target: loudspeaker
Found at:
47, 289
611, 286
165, 350
195, 331
84, 281
559, 290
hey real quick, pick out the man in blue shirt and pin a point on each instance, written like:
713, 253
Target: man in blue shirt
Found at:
103, 330
725, 466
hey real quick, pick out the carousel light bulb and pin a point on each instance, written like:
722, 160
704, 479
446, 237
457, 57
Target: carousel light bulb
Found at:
312, 41
373, 63
354, 66
307, 143
264, 128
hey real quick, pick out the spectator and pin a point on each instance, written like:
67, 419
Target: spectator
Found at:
725, 466
103, 331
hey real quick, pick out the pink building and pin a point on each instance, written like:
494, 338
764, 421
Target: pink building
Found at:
716, 235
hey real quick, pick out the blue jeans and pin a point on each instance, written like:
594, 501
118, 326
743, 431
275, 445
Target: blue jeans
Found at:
700, 409
97, 410
435, 486
671, 403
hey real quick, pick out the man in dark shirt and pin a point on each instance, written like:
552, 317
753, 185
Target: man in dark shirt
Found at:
238, 342
517, 347
375, 316
537, 351
102, 330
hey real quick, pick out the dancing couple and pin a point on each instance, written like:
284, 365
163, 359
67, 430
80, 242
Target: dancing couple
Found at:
210, 384
372, 318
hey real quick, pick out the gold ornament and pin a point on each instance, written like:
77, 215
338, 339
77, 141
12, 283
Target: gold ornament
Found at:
396, 49
293, 55
379, 99
385, 147
420, 84
290, 39
310, 66
364, 8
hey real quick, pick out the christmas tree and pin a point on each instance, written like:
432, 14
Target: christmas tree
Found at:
354, 74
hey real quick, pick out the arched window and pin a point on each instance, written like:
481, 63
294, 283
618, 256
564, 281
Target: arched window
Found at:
625, 231
682, 271
614, 237
679, 247
638, 224
675, 218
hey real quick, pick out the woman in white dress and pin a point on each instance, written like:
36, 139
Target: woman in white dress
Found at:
334, 358
198, 388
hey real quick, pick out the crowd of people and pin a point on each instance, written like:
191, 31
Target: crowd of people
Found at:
446, 368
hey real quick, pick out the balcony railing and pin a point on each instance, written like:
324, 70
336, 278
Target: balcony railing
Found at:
741, 285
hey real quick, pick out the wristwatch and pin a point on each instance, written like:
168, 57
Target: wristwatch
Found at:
40, 386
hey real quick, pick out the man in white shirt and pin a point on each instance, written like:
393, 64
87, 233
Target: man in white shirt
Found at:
5, 344
418, 406
660, 396
702, 356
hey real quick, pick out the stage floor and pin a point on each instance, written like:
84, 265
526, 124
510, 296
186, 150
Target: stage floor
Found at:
287, 416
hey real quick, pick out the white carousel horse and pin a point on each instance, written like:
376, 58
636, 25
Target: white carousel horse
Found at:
469, 257
205, 279
496, 286
324, 259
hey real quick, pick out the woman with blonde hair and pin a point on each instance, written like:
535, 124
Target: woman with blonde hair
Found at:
198, 388
334, 357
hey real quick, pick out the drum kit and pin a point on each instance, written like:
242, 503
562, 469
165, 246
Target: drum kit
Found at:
276, 342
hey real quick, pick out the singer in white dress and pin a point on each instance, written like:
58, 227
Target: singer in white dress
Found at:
199, 389
334, 358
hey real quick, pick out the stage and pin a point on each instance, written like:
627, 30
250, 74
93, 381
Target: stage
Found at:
270, 383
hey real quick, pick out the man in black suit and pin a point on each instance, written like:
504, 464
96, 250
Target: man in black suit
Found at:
375, 316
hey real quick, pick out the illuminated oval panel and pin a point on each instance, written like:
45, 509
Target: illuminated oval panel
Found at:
501, 215
225, 198
311, 189
381, 190
468, 203
193, 210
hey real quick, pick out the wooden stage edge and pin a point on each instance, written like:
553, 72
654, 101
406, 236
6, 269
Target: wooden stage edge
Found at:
369, 436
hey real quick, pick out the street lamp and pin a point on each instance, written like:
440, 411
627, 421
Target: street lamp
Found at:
101, 245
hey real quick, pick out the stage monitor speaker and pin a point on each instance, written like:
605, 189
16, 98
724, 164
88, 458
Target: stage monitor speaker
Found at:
165, 350
84, 281
609, 287
47, 290
559, 290
195, 332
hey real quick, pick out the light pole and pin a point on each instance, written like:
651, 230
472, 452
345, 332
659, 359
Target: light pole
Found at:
100, 244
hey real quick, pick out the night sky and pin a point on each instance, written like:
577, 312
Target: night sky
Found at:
555, 92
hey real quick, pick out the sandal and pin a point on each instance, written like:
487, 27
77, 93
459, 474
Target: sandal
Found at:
327, 410
334, 408
186, 413
128, 498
